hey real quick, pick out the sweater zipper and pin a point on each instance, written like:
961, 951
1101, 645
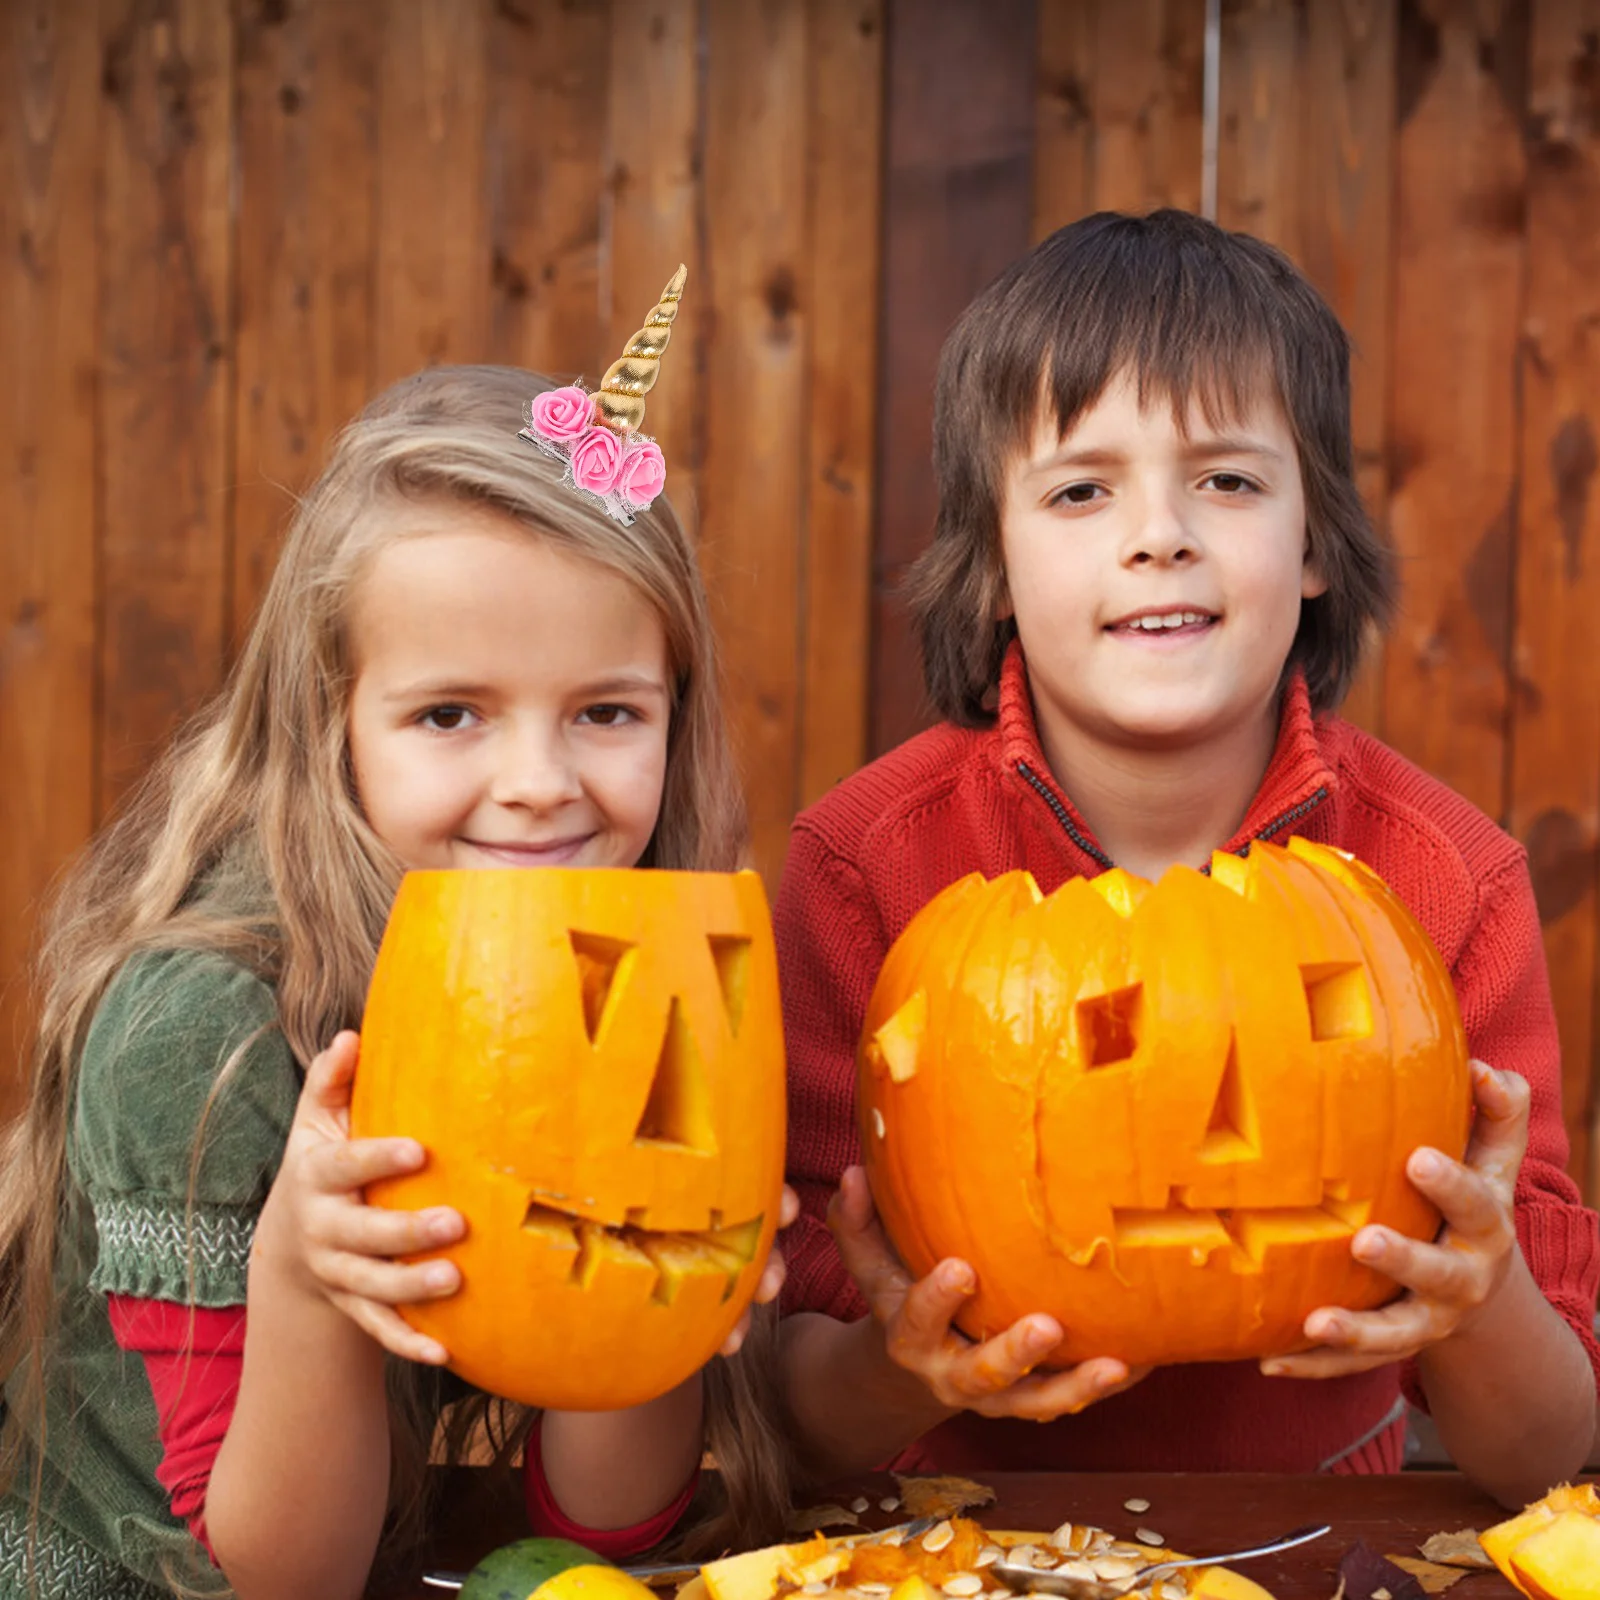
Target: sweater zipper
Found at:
1093, 851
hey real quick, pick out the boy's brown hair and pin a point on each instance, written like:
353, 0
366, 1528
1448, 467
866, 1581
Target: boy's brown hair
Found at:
1193, 312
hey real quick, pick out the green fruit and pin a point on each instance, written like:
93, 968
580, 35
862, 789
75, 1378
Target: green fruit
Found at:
514, 1571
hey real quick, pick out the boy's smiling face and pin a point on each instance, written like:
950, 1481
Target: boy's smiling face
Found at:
1155, 573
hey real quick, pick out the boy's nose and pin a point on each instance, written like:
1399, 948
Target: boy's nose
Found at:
1160, 535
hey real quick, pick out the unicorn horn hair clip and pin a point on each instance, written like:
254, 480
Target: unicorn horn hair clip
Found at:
596, 436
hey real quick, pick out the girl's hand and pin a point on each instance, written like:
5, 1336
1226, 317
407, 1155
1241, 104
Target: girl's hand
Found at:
335, 1244
772, 1275
995, 1378
1449, 1282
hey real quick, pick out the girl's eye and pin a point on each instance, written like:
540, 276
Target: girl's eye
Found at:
1232, 483
1076, 494
445, 719
605, 716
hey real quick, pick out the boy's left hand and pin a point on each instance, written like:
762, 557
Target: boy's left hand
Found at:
772, 1275
1449, 1281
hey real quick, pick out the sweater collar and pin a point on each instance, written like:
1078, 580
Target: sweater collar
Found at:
1298, 778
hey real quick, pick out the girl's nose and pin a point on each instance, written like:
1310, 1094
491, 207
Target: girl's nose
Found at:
533, 770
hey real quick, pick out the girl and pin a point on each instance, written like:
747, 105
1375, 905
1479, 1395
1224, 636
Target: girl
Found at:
460, 662
1145, 596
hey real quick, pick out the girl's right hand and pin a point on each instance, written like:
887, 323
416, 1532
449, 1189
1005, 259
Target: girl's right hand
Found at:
995, 1378
335, 1244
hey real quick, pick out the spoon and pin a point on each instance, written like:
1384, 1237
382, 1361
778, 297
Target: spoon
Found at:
1043, 1580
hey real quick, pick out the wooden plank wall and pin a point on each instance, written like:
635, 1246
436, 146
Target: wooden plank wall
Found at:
224, 225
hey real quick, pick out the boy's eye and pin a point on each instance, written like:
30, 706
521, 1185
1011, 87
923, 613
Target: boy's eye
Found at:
445, 719
1075, 494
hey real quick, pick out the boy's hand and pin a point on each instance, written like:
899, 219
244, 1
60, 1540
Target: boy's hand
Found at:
1450, 1281
995, 1378
772, 1275
335, 1244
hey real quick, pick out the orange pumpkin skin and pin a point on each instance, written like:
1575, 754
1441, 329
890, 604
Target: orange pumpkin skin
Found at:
593, 1060
1160, 1114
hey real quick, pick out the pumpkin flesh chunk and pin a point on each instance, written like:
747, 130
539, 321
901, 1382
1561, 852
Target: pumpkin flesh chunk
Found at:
1560, 1561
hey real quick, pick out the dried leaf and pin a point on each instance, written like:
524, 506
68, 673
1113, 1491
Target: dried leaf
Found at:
811, 1519
1435, 1579
941, 1497
1367, 1576
1459, 1549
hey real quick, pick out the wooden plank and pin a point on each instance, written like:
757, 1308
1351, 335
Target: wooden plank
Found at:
1063, 154
307, 99
957, 206
166, 370
1260, 140
1459, 261
1555, 770
654, 219
1148, 103
434, 266
752, 495
1345, 237
49, 153
845, 152
548, 73
1305, 161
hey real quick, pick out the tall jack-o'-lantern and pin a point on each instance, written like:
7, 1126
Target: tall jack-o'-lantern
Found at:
593, 1060
1160, 1113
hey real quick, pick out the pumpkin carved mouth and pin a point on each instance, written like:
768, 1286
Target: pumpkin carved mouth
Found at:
672, 1258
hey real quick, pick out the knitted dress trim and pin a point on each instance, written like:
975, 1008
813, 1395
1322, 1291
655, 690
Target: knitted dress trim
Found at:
62, 1566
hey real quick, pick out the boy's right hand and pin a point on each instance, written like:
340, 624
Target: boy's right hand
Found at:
995, 1378
334, 1244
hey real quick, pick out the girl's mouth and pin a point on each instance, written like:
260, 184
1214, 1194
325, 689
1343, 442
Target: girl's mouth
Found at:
552, 853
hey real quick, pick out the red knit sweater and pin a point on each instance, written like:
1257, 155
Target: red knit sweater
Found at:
951, 801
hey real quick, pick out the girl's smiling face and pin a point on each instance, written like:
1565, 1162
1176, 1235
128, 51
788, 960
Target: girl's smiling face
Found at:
1155, 572
511, 701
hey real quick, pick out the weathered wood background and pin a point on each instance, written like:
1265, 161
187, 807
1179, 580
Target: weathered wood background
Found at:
225, 225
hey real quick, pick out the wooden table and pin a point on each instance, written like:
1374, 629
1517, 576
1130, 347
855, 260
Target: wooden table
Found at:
1194, 1512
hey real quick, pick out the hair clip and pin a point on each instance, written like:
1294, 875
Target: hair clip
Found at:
596, 435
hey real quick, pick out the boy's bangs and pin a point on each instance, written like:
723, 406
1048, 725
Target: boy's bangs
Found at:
1176, 344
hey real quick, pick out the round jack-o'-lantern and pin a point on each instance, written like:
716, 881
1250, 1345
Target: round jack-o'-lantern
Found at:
593, 1060
1160, 1113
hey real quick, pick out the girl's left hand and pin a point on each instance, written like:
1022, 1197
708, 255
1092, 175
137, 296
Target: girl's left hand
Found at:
772, 1275
1451, 1280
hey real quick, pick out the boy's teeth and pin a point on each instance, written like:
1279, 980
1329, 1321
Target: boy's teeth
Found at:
1170, 619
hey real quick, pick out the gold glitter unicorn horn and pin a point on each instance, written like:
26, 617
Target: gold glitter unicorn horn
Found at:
619, 403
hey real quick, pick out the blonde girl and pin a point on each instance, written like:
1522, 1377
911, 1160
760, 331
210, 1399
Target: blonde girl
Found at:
460, 661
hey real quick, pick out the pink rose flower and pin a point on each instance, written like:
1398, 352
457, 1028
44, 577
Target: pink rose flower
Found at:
644, 472
597, 460
561, 414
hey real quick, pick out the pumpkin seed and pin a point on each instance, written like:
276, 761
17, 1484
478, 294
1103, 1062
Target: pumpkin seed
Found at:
860, 1504
963, 1586
937, 1538
877, 1122
1148, 1536
888, 1503
988, 1556
1137, 1507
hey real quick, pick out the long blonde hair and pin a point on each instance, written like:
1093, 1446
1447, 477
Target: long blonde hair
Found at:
257, 791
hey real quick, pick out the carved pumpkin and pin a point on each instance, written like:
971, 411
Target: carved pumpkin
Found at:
1160, 1113
593, 1060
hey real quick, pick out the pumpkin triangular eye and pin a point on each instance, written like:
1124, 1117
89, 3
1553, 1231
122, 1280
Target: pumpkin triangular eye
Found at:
598, 961
679, 1108
731, 955
1231, 1130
